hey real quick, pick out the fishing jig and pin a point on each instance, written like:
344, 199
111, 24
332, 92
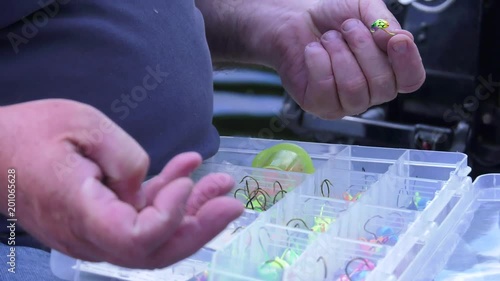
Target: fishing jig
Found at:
348, 197
383, 235
360, 272
273, 268
382, 25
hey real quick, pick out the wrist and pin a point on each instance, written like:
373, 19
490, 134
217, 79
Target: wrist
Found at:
5, 156
223, 24
246, 31
6, 136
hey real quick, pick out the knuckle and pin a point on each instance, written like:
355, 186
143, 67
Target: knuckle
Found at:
317, 93
326, 82
211, 191
141, 161
74, 115
360, 108
221, 180
308, 106
87, 111
360, 40
384, 87
353, 86
412, 87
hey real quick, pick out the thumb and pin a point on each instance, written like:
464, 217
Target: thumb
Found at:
122, 160
372, 10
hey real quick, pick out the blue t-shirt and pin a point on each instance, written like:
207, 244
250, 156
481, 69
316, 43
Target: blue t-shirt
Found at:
144, 63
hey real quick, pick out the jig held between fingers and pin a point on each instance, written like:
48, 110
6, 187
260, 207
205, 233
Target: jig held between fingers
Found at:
382, 25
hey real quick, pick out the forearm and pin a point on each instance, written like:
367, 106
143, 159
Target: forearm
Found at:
242, 30
5, 157
221, 26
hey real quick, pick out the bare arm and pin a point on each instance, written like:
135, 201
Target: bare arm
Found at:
328, 59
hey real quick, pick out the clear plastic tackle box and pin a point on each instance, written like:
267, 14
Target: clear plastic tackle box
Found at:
366, 213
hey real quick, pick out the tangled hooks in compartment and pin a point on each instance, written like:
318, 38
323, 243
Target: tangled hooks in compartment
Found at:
258, 199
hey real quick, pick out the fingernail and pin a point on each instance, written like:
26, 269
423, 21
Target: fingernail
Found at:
400, 47
350, 25
224, 179
331, 35
313, 45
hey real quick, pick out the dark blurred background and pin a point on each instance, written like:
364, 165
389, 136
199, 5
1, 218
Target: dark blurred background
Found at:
457, 109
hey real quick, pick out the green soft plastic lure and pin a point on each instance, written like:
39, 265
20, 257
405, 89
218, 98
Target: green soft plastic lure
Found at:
382, 25
284, 157
322, 223
271, 270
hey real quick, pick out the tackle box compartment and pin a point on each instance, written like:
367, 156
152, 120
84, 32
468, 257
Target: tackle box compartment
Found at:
380, 213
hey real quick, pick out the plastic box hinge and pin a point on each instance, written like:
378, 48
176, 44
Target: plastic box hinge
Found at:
441, 231
427, 231
435, 261
376, 275
77, 270
467, 185
464, 172
396, 255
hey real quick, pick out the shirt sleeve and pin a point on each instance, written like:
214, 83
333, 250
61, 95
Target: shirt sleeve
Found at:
12, 11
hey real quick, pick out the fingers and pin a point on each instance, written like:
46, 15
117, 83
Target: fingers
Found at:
121, 159
321, 94
117, 228
155, 224
351, 83
406, 63
208, 188
382, 38
372, 60
372, 10
216, 214
159, 235
181, 165
210, 220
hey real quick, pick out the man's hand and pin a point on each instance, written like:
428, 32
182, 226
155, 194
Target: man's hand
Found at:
329, 61
79, 189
